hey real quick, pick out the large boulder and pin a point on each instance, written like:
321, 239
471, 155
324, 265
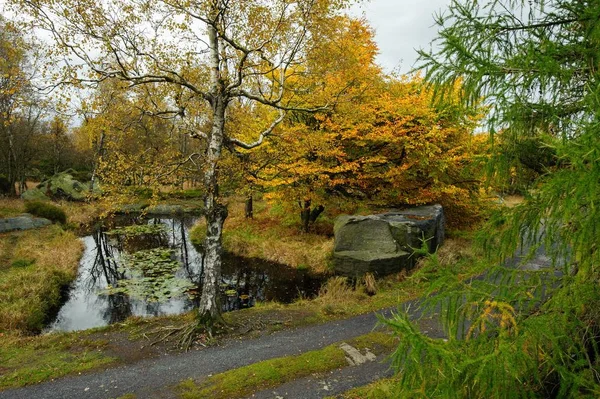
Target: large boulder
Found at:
384, 243
60, 186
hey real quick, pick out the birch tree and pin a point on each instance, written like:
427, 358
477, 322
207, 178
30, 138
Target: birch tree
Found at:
211, 53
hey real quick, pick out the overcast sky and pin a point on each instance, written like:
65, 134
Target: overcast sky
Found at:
401, 26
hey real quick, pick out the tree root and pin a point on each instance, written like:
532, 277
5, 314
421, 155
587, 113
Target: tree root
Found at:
183, 336
260, 325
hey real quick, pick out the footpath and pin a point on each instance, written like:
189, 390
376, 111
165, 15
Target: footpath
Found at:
152, 378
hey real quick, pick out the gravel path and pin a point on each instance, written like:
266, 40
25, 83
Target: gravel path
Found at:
147, 377
341, 380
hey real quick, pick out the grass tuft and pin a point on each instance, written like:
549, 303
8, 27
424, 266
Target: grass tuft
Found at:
10, 207
337, 296
46, 210
370, 284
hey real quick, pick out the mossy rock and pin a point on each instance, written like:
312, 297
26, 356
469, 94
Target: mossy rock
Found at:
60, 186
385, 243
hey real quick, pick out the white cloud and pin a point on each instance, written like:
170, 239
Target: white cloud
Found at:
401, 27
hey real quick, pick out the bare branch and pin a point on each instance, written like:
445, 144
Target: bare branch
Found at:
267, 132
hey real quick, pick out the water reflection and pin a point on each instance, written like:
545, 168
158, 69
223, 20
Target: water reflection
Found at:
243, 281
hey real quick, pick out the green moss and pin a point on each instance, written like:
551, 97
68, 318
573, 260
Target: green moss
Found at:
380, 389
269, 373
22, 262
245, 380
198, 234
27, 361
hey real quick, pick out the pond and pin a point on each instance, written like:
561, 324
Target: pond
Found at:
134, 266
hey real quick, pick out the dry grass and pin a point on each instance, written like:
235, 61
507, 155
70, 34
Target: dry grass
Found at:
370, 284
338, 297
11, 207
37, 264
266, 237
80, 213
512, 200
303, 251
455, 250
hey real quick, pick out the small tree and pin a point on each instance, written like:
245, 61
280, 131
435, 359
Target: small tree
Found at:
19, 113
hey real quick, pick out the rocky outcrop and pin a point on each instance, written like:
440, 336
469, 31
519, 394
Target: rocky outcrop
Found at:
384, 243
60, 186
22, 222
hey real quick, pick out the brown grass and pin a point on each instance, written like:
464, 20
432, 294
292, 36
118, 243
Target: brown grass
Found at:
266, 237
11, 207
455, 250
33, 271
512, 200
337, 296
370, 284
80, 213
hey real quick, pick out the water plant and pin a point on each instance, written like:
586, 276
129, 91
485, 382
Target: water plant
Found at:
151, 276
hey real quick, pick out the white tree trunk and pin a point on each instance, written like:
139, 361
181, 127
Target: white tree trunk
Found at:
209, 310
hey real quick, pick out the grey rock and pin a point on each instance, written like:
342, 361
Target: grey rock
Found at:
22, 222
385, 243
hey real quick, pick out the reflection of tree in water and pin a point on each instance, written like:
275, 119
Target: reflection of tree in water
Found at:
267, 281
190, 258
105, 266
102, 266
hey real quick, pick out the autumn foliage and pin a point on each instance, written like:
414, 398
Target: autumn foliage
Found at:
384, 143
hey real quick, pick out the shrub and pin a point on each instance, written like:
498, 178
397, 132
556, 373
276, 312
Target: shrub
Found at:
82, 176
46, 210
143, 192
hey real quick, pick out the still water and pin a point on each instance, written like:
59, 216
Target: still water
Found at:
93, 300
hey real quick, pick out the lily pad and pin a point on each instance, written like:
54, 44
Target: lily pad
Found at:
151, 276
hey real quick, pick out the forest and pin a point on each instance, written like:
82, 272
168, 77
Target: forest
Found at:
198, 157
